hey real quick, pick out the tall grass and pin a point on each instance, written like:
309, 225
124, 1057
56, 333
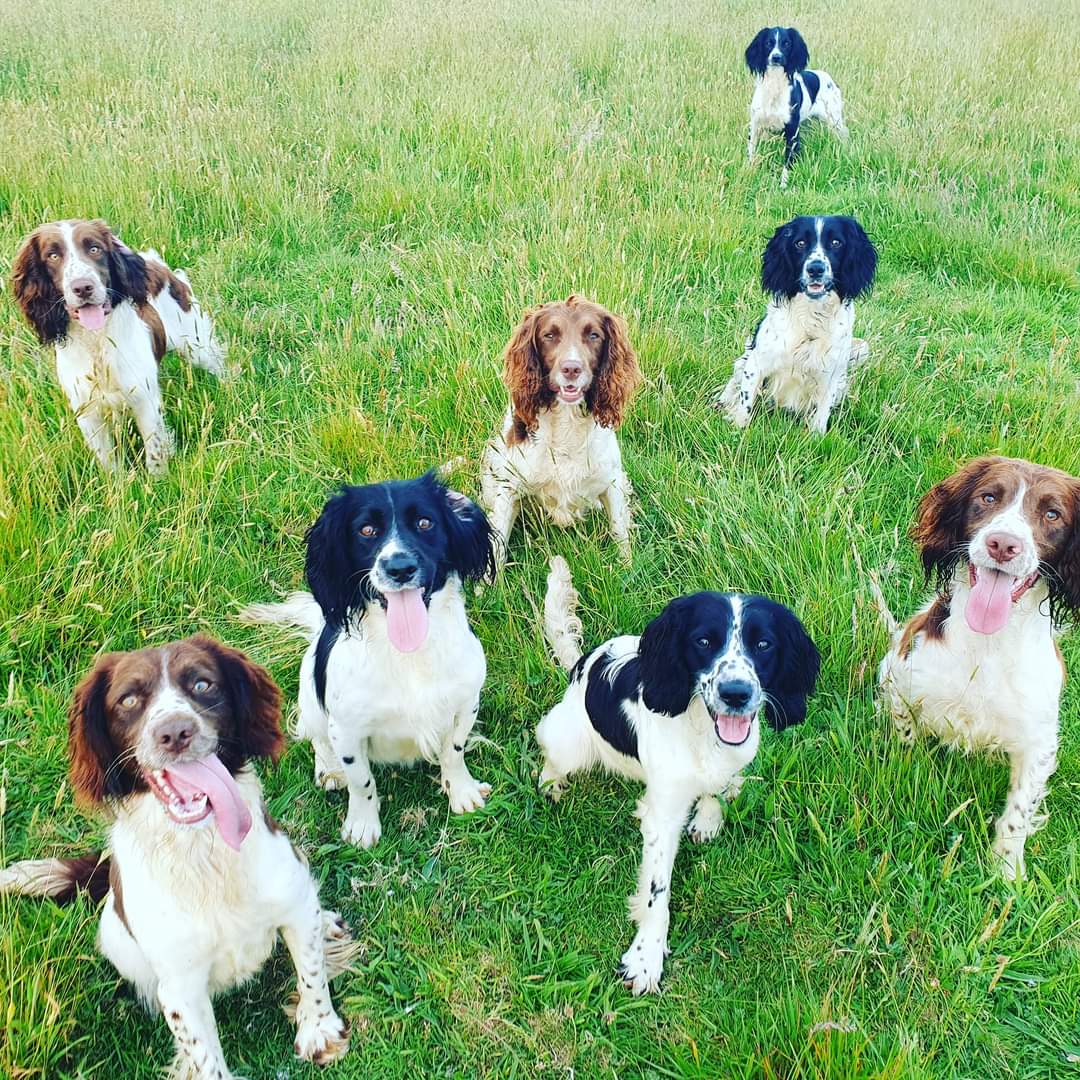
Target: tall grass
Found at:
367, 194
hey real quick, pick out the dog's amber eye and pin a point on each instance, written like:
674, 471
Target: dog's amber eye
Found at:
368, 531
201, 686
93, 249
129, 701
988, 498
54, 255
424, 524
594, 335
1053, 515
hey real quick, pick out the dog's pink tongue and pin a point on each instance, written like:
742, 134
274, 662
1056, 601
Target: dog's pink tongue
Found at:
406, 619
210, 778
988, 605
92, 316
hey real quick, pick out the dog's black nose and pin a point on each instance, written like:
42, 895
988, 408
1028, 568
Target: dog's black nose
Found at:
815, 269
736, 695
400, 567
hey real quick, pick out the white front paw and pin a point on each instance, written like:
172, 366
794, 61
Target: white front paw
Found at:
706, 822
466, 795
361, 832
1010, 858
643, 964
322, 1039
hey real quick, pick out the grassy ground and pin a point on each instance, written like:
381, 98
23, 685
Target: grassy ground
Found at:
367, 194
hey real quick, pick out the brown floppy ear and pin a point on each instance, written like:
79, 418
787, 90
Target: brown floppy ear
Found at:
1065, 584
36, 294
525, 378
618, 377
939, 527
256, 706
91, 753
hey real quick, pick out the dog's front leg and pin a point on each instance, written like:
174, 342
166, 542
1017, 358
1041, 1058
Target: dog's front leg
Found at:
662, 820
185, 1003
462, 789
1031, 772
321, 1035
362, 826
502, 508
616, 501
742, 390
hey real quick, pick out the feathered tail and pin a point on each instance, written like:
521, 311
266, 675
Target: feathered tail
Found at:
562, 627
298, 610
59, 879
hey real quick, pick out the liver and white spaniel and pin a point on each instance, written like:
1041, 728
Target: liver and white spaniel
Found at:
111, 314
393, 670
803, 349
677, 708
978, 666
200, 879
787, 93
571, 374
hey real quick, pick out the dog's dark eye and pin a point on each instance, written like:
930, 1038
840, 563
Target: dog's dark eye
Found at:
424, 524
835, 243
988, 498
763, 645
368, 530
593, 335
201, 686
703, 642
549, 335
1053, 515
129, 701
800, 244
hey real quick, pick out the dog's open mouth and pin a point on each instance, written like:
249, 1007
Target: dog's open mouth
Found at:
993, 592
733, 728
191, 790
91, 316
816, 289
406, 618
570, 394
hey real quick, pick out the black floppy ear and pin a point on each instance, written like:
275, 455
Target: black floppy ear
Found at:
470, 548
127, 270
797, 674
666, 684
757, 52
860, 261
798, 56
333, 580
778, 277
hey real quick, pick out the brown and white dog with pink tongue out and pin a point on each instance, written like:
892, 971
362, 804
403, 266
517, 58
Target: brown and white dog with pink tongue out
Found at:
199, 879
978, 666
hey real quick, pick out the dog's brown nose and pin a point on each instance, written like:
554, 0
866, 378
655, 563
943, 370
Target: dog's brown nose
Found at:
174, 735
82, 287
570, 369
1003, 546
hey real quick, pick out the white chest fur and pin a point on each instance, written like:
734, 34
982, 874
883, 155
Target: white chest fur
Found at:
771, 104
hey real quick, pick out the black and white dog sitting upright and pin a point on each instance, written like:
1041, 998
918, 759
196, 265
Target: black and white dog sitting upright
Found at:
803, 349
787, 92
393, 671
677, 709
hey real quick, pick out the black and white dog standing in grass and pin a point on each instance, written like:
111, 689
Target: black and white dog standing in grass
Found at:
787, 92
678, 709
393, 670
803, 350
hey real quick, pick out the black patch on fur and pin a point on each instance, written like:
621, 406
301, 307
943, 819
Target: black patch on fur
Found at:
604, 698
813, 84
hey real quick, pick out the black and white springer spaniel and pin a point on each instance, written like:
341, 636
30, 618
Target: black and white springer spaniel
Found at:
803, 350
678, 709
199, 879
111, 313
787, 92
393, 671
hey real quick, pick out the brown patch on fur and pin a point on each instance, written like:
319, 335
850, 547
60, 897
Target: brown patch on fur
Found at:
159, 277
930, 622
1061, 660
271, 824
148, 314
118, 894
537, 346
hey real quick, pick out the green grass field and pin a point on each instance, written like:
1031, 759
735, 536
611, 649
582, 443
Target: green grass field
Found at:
366, 195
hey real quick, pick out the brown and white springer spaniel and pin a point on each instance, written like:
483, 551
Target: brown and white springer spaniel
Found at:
571, 373
111, 314
978, 666
200, 879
